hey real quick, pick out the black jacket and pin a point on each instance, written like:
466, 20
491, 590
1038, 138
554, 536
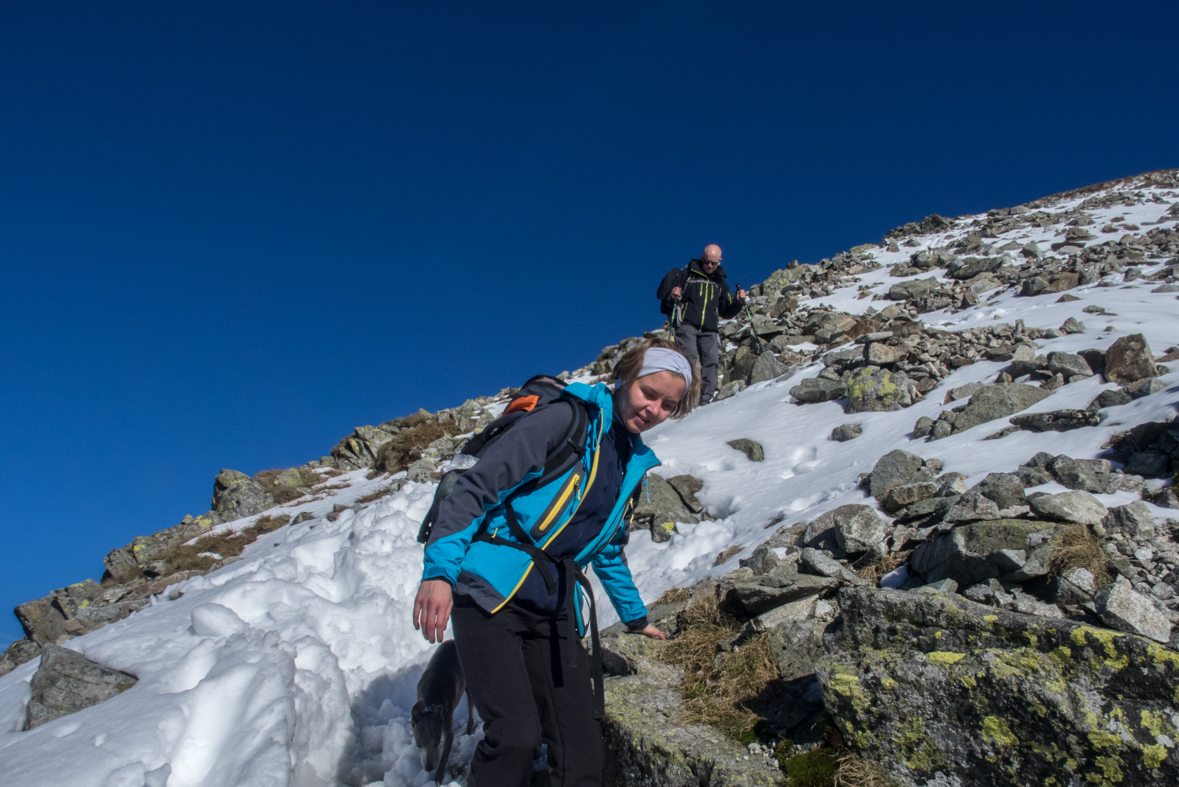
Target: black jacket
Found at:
705, 301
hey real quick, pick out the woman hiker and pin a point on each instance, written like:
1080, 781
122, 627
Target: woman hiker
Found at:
516, 610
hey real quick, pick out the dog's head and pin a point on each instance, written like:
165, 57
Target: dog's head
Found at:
427, 732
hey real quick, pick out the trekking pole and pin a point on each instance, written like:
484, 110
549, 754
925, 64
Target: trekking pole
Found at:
753, 328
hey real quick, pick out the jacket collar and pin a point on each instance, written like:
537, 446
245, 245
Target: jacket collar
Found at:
600, 396
717, 275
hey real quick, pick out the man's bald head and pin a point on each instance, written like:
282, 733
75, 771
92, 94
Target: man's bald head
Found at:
712, 254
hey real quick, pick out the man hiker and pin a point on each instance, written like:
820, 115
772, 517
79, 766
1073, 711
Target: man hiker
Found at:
697, 298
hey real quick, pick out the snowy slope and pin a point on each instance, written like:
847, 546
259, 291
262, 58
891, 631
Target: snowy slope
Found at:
297, 665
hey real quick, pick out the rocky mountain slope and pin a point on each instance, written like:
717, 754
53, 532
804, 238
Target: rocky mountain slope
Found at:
925, 537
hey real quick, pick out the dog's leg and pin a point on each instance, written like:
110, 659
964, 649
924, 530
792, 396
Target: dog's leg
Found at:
447, 740
470, 714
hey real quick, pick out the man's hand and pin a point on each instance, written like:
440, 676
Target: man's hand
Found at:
677, 293
650, 631
741, 294
431, 609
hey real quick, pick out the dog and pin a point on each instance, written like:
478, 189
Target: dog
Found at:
441, 687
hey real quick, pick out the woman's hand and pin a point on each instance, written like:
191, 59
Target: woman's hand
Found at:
652, 632
431, 609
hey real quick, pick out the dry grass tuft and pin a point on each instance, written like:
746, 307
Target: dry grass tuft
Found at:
875, 570
377, 495
285, 494
855, 771
190, 557
1078, 547
405, 447
674, 596
718, 686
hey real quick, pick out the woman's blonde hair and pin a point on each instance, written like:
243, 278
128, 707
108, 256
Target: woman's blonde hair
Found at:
626, 371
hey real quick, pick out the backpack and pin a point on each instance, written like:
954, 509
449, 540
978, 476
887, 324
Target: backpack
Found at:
539, 390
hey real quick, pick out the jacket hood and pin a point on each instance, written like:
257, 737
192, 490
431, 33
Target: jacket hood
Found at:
716, 275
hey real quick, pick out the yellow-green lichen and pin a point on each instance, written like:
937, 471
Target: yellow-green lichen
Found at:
1104, 740
945, 657
968, 681
1111, 768
1156, 724
996, 730
1162, 657
1154, 754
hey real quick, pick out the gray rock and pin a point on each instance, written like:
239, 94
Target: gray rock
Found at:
925, 686
731, 388
905, 495
795, 633
660, 505
751, 599
880, 354
1129, 359
1005, 489
872, 389
942, 586
910, 290
1057, 420
997, 401
1082, 578
951, 484
973, 553
761, 561
1075, 506
929, 511
1120, 607
820, 533
1073, 325
67, 682
1111, 398
819, 562
687, 486
767, 367
973, 506
923, 427
858, 528
1068, 364
813, 390
845, 432
19, 652
895, 468
963, 391
1133, 520
752, 450
236, 495
1154, 464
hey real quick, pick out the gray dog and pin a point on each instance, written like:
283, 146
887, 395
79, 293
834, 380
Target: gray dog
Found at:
439, 691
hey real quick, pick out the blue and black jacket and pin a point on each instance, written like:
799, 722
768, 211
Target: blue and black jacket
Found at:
492, 574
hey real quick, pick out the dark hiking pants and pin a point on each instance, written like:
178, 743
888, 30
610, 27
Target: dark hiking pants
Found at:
702, 346
528, 676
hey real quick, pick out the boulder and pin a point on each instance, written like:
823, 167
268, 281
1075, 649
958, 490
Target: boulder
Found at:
872, 389
1005, 489
752, 450
1075, 506
915, 288
845, 432
1120, 607
820, 563
767, 367
939, 690
997, 401
1056, 420
1133, 520
19, 652
1129, 359
906, 495
858, 528
67, 682
813, 390
749, 599
687, 486
236, 495
974, 552
831, 328
820, 533
895, 468
1068, 364
660, 505
880, 354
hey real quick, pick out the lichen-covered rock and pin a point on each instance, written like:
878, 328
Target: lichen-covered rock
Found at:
19, 652
813, 390
660, 505
1125, 610
872, 389
1057, 420
236, 495
858, 528
940, 690
845, 432
751, 448
975, 552
67, 682
895, 468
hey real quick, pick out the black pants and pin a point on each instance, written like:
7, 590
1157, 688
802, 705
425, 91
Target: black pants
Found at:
529, 678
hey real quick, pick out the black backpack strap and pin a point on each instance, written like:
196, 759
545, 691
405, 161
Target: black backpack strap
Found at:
540, 558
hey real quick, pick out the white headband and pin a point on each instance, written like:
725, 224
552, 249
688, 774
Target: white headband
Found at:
661, 359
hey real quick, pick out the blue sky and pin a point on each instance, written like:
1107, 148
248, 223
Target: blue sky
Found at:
230, 232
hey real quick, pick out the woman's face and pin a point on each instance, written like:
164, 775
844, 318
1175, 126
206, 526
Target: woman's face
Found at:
649, 400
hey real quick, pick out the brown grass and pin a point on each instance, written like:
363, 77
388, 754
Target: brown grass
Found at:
878, 568
1078, 547
377, 495
674, 596
285, 494
404, 449
188, 557
855, 771
718, 689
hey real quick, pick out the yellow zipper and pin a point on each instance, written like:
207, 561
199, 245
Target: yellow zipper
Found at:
559, 504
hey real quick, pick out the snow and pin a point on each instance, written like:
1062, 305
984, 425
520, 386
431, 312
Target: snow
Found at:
298, 664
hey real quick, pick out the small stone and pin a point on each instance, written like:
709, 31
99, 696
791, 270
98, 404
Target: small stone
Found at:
1072, 325
845, 432
1075, 506
1081, 578
1129, 359
752, 450
1121, 607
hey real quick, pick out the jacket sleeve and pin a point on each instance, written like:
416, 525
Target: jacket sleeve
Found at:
505, 464
612, 571
727, 307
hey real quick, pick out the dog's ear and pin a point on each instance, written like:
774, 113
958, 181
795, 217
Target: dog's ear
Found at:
419, 708
438, 711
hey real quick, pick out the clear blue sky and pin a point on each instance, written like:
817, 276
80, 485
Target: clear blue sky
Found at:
230, 232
